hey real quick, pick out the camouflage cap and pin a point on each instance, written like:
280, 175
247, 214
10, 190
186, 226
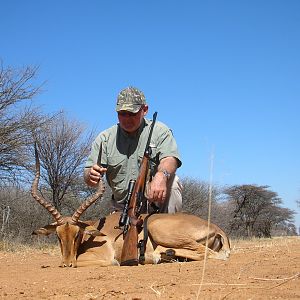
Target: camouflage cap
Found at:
130, 99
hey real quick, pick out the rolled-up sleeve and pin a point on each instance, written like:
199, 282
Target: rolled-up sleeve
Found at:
166, 143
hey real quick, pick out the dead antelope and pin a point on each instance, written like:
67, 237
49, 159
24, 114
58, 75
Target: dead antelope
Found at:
69, 230
170, 236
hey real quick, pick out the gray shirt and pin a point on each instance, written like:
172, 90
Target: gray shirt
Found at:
123, 153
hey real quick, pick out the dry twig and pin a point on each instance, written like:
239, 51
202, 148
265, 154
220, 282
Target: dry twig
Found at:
158, 293
276, 279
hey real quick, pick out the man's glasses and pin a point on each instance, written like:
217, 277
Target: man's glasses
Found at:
127, 113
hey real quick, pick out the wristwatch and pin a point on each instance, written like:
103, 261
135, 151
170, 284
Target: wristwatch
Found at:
166, 173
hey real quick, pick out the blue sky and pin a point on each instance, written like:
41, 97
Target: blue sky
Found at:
224, 75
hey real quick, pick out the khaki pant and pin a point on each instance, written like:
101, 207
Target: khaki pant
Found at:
173, 201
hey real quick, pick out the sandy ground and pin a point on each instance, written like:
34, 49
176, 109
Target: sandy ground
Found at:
258, 269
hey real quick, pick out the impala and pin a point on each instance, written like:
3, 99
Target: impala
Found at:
170, 236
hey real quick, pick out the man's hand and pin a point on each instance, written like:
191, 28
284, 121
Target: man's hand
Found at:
157, 189
93, 175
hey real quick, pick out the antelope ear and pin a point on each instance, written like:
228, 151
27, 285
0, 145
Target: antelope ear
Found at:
46, 230
91, 230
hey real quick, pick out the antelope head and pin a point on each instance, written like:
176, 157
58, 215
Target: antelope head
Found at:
69, 230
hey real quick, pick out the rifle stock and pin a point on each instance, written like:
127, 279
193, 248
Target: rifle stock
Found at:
129, 256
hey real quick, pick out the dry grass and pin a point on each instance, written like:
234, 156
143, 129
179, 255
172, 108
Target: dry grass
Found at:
11, 246
262, 244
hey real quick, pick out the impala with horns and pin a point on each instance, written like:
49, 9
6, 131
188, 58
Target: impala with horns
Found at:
70, 229
165, 237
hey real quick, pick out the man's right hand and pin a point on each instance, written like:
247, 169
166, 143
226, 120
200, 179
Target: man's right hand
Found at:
93, 175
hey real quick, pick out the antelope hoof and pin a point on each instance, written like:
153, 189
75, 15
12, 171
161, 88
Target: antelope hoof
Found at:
170, 252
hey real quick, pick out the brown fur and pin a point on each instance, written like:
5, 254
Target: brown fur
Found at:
171, 236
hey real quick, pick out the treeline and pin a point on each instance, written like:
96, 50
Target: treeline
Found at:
243, 211
247, 210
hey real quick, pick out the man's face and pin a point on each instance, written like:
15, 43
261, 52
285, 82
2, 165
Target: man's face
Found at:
131, 122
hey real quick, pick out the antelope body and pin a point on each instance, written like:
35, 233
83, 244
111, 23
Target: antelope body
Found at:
100, 242
171, 236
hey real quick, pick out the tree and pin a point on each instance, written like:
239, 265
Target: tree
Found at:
255, 210
19, 215
274, 220
63, 147
196, 197
16, 120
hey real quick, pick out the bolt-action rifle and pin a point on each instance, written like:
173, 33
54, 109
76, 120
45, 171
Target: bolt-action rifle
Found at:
130, 218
